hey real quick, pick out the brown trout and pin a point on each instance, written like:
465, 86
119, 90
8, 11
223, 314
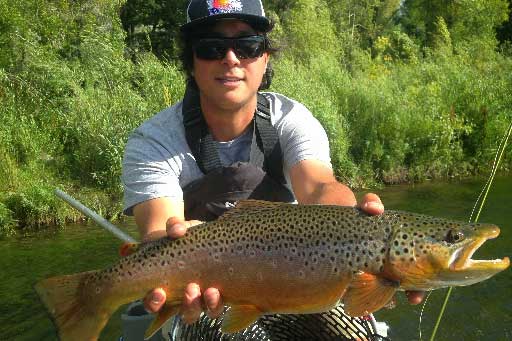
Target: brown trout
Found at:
268, 258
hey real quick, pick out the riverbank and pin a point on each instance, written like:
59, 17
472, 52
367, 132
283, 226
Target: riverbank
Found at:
74, 84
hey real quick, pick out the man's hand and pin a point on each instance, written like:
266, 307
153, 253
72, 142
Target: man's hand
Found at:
192, 301
372, 204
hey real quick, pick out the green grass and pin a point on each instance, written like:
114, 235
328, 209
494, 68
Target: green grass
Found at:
70, 95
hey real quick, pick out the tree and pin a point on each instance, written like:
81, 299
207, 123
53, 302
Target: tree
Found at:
153, 25
469, 21
504, 32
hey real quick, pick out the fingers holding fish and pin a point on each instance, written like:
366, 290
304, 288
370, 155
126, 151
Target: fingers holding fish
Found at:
191, 308
372, 204
176, 227
154, 300
415, 297
213, 302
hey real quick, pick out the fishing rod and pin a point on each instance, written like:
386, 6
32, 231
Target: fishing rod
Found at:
481, 198
107, 225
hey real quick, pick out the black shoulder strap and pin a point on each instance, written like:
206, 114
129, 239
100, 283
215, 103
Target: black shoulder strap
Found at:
198, 137
268, 140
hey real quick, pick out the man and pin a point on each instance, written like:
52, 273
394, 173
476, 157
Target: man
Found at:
219, 134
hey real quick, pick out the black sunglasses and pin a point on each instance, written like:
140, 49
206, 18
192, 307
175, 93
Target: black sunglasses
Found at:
216, 48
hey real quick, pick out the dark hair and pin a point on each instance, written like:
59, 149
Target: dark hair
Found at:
188, 38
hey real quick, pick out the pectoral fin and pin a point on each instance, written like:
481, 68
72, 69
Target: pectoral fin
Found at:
368, 293
167, 311
239, 317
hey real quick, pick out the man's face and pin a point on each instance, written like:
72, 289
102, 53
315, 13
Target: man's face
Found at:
230, 83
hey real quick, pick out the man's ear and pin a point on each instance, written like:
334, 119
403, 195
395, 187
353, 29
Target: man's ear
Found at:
267, 77
266, 55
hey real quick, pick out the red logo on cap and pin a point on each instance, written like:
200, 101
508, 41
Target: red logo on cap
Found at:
224, 6
220, 4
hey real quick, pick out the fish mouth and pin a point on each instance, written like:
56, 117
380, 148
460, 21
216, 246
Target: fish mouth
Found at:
461, 259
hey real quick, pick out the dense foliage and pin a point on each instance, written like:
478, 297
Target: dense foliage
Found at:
407, 90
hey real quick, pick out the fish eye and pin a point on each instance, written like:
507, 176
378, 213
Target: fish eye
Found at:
454, 237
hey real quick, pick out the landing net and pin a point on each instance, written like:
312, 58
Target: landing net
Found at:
332, 325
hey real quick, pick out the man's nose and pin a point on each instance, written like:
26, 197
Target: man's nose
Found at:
231, 58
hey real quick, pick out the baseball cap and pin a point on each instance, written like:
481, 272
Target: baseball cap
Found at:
201, 12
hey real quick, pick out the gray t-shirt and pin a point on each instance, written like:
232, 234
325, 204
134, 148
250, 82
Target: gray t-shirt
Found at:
159, 163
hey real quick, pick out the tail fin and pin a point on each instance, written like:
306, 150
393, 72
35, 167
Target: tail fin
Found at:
75, 316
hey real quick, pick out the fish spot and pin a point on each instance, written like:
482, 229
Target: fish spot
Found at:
217, 258
181, 264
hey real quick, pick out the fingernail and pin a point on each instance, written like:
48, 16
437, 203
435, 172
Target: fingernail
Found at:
155, 299
178, 226
210, 299
374, 205
177, 230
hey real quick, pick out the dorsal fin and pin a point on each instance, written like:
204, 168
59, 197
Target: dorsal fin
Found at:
251, 206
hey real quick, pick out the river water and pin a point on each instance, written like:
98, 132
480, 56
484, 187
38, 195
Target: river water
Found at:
479, 312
